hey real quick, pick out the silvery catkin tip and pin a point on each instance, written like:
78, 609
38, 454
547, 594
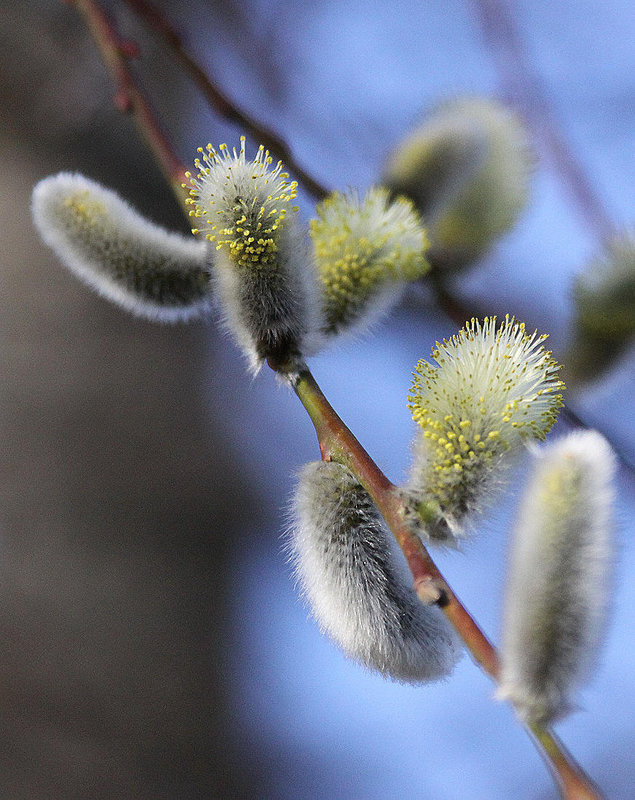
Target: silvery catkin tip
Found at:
126, 258
560, 565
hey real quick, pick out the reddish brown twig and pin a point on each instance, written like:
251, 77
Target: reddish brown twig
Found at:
339, 444
219, 102
129, 96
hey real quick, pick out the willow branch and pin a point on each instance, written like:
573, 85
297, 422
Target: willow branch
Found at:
335, 439
219, 101
116, 53
573, 783
337, 443
130, 97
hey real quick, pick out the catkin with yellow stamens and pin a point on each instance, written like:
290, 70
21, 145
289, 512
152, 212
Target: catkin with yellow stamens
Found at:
262, 271
493, 387
366, 250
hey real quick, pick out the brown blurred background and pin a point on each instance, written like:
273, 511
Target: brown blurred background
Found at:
118, 493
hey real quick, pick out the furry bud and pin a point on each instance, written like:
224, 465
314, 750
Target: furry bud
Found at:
262, 271
492, 389
466, 168
560, 562
112, 248
353, 583
604, 323
365, 252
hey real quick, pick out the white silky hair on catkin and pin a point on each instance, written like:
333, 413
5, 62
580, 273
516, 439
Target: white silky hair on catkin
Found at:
270, 312
560, 566
147, 270
348, 573
376, 308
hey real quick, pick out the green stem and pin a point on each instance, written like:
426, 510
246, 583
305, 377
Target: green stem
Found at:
572, 781
337, 443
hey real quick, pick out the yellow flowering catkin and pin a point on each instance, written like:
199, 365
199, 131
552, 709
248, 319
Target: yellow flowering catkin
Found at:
365, 250
261, 269
492, 388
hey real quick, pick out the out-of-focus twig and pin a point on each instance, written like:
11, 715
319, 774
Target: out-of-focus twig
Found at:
116, 53
524, 89
219, 102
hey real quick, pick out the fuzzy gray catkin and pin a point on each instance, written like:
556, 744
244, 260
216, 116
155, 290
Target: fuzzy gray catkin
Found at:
604, 318
152, 273
560, 564
467, 168
262, 272
347, 571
